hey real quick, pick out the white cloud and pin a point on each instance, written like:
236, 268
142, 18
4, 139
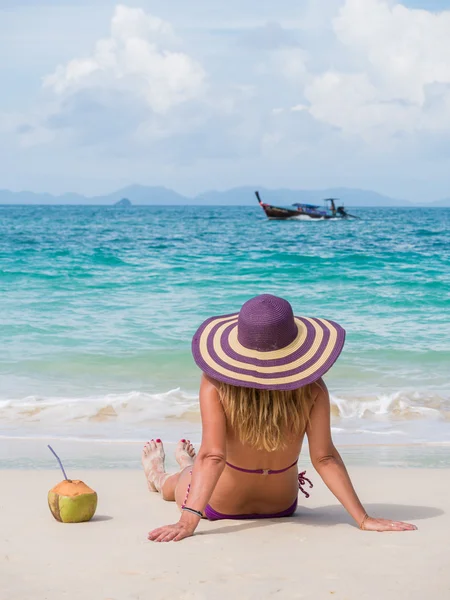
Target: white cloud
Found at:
406, 48
403, 82
290, 62
299, 108
357, 92
137, 58
352, 103
26, 129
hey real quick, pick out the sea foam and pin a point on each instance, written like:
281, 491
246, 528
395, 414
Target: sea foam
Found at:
140, 409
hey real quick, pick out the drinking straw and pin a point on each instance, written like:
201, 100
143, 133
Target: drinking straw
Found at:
60, 463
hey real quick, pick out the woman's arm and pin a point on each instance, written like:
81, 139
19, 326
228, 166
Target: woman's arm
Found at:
208, 465
210, 461
330, 466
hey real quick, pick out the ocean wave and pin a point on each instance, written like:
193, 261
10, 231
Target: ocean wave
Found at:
176, 404
138, 407
400, 405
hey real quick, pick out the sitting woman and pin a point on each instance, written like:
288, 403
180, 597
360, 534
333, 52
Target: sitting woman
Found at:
261, 391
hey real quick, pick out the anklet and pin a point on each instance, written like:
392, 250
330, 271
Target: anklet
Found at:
361, 525
193, 511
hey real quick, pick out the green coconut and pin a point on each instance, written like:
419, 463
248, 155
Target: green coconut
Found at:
72, 501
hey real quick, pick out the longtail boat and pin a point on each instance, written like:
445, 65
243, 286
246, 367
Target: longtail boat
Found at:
306, 211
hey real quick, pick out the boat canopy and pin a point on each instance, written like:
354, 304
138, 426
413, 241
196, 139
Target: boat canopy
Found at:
306, 205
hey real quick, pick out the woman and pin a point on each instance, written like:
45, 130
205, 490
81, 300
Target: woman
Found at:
261, 391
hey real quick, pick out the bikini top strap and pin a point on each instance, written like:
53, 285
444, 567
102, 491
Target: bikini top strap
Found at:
273, 472
243, 470
262, 471
302, 479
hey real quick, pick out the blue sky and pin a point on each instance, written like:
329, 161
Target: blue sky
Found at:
200, 95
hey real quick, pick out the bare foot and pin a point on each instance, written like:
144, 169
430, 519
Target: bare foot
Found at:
153, 457
185, 453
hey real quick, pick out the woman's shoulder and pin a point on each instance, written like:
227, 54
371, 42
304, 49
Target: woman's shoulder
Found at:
209, 381
209, 387
319, 389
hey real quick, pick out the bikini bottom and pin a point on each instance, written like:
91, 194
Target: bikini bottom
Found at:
213, 515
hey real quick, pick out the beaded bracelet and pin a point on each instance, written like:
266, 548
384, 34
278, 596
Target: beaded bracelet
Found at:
361, 525
193, 511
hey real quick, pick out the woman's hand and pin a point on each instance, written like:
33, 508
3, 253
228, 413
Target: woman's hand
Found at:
171, 533
371, 524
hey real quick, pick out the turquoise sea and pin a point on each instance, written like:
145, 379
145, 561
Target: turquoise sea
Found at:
98, 306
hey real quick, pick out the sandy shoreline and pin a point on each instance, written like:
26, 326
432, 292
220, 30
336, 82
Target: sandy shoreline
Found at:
315, 554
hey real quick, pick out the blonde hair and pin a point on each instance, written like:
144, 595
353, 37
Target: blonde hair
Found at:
264, 419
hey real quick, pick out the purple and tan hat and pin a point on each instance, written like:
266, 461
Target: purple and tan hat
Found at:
265, 346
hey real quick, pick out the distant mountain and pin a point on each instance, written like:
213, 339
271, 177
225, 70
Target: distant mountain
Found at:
7, 197
123, 203
239, 196
141, 195
437, 203
137, 194
349, 196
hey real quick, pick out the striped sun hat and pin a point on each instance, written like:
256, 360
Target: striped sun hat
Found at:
265, 346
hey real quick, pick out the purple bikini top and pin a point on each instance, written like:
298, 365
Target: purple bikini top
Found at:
301, 476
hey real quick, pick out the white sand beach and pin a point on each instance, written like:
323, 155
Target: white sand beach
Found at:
316, 554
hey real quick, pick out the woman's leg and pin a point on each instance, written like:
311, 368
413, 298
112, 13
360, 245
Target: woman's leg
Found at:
158, 480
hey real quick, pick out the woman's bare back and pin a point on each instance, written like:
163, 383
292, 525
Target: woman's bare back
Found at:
237, 492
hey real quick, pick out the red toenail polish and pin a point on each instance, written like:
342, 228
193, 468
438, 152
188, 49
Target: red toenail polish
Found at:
159, 441
183, 440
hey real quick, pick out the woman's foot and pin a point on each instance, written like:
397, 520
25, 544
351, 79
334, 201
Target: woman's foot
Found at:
185, 454
153, 457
